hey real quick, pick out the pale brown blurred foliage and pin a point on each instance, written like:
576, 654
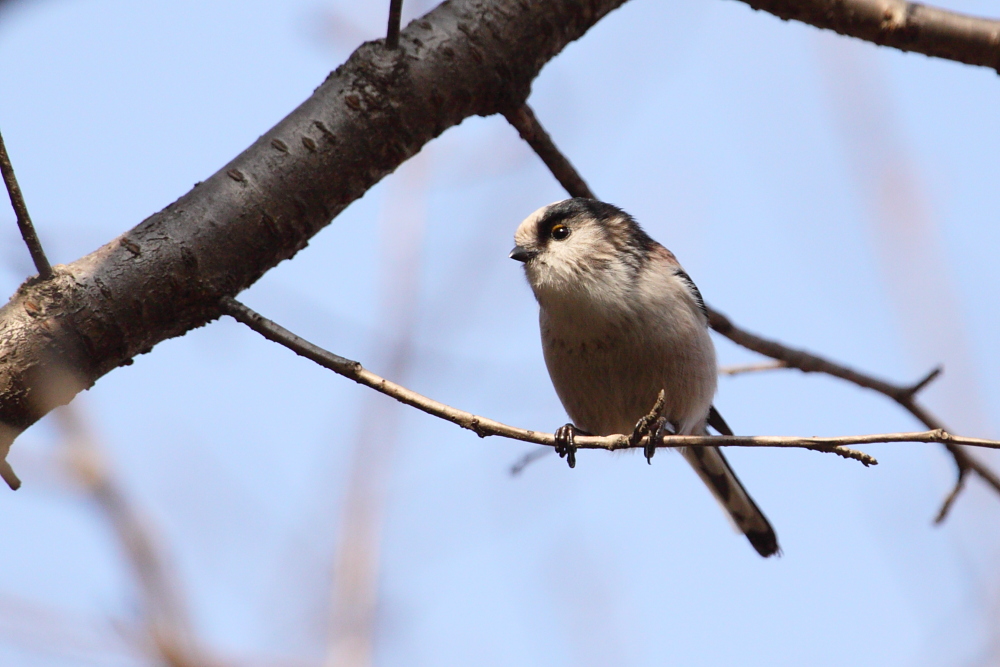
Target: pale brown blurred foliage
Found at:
356, 567
45, 630
167, 635
916, 270
906, 236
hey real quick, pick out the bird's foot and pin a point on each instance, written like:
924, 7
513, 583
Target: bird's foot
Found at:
663, 427
566, 443
647, 426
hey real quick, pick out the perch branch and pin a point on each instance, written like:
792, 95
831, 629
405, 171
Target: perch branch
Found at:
907, 26
484, 426
23, 219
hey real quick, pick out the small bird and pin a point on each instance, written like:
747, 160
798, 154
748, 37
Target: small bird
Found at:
620, 322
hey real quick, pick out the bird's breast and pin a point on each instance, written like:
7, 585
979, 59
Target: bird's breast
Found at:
608, 373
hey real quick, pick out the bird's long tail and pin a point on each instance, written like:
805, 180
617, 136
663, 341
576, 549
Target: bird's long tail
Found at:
714, 470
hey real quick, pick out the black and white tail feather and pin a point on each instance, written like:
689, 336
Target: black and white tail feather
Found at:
715, 471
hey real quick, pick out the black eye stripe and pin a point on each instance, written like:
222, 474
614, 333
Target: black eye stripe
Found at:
553, 218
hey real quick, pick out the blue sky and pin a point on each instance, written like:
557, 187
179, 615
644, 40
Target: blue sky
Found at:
788, 169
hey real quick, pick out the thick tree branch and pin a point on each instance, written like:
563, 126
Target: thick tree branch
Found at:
907, 26
23, 219
165, 277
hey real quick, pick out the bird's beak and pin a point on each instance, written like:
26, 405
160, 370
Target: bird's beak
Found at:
522, 254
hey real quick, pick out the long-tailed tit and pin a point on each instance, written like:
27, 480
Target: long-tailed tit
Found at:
621, 321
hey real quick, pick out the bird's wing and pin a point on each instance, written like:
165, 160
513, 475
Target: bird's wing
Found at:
692, 290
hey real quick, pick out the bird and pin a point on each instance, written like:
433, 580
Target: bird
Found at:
621, 322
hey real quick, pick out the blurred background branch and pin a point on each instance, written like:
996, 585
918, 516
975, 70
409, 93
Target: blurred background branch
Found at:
354, 601
169, 636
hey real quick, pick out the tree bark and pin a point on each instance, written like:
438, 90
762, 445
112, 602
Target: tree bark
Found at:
907, 26
167, 275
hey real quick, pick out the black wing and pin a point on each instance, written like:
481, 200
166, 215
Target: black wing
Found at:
693, 289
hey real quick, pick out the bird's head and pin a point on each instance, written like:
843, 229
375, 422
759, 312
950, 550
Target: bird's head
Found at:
581, 248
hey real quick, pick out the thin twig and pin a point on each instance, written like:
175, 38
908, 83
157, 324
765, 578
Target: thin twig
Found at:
752, 368
536, 136
810, 363
395, 15
648, 421
484, 426
23, 219
904, 395
930, 377
523, 119
950, 500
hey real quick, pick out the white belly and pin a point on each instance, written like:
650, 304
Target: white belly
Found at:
609, 375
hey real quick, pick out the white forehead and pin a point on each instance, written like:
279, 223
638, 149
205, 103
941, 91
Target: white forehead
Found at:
526, 230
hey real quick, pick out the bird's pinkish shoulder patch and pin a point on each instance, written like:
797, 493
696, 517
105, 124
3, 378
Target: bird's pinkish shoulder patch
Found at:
662, 254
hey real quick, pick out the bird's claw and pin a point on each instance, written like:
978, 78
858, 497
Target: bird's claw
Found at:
663, 427
648, 425
566, 443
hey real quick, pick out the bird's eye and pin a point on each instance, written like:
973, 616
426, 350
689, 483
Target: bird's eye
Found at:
559, 232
